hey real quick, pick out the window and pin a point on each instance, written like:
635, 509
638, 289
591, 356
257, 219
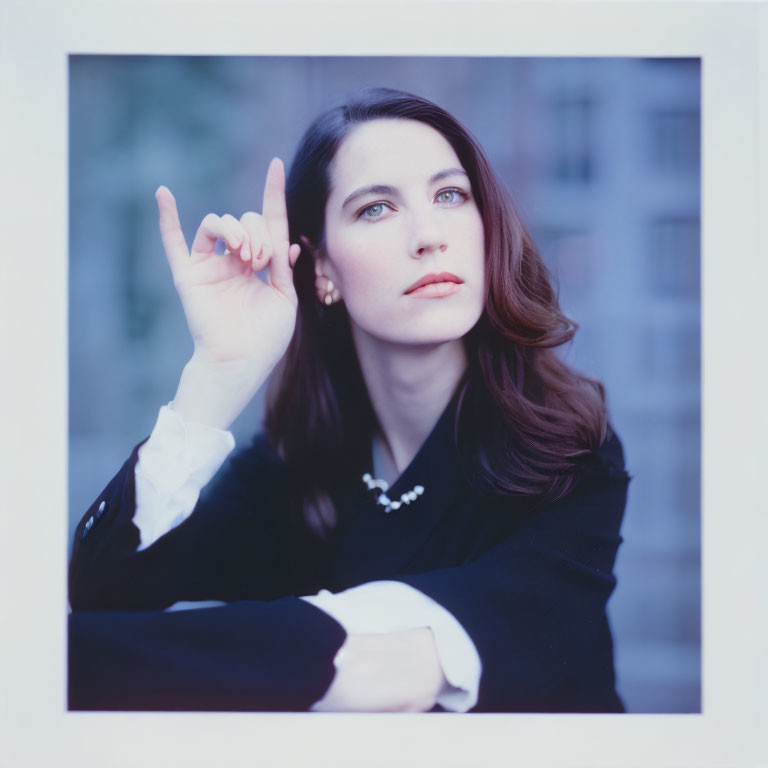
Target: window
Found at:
675, 141
674, 266
573, 115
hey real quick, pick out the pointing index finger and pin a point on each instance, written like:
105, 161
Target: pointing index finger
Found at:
274, 208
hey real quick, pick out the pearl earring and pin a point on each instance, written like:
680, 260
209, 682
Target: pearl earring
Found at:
329, 298
332, 293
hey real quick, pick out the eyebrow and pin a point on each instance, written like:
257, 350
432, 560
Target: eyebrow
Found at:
385, 189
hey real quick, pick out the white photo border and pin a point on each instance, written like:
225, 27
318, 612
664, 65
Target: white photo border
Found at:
36, 38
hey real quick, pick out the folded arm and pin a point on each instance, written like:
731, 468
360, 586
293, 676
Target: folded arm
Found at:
141, 547
532, 607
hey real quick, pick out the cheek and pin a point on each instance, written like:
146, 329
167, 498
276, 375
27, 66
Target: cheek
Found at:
363, 266
471, 233
477, 231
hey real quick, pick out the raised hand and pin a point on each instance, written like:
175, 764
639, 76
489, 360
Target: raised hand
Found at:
240, 325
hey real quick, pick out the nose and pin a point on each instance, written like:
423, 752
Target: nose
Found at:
428, 237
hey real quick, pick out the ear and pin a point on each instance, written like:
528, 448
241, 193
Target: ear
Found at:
315, 252
325, 276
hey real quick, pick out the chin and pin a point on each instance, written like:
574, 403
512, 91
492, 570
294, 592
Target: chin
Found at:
431, 324
427, 333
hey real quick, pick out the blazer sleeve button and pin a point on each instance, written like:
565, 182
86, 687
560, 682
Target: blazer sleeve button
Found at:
101, 509
87, 526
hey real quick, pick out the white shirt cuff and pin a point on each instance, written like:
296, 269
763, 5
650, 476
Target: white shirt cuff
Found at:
174, 465
380, 607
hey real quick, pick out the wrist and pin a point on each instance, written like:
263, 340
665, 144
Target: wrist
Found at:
214, 394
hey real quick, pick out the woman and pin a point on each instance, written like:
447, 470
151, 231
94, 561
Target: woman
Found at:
470, 567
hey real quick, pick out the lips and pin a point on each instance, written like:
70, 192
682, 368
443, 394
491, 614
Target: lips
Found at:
442, 277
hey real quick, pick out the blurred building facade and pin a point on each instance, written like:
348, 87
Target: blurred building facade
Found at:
602, 158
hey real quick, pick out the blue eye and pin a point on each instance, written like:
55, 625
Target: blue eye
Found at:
373, 211
450, 196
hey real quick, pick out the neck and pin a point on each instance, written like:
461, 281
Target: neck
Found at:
409, 387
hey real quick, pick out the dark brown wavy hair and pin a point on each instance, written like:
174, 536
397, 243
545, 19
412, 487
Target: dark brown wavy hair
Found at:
525, 419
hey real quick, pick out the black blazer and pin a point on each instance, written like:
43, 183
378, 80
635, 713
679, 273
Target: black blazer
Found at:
529, 582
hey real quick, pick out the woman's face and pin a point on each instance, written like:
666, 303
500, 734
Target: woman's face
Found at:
404, 237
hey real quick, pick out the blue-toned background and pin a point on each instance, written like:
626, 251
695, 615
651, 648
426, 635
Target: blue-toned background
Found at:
602, 157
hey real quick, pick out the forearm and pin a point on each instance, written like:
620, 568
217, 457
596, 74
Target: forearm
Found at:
175, 463
393, 672
246, 656
135, 556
